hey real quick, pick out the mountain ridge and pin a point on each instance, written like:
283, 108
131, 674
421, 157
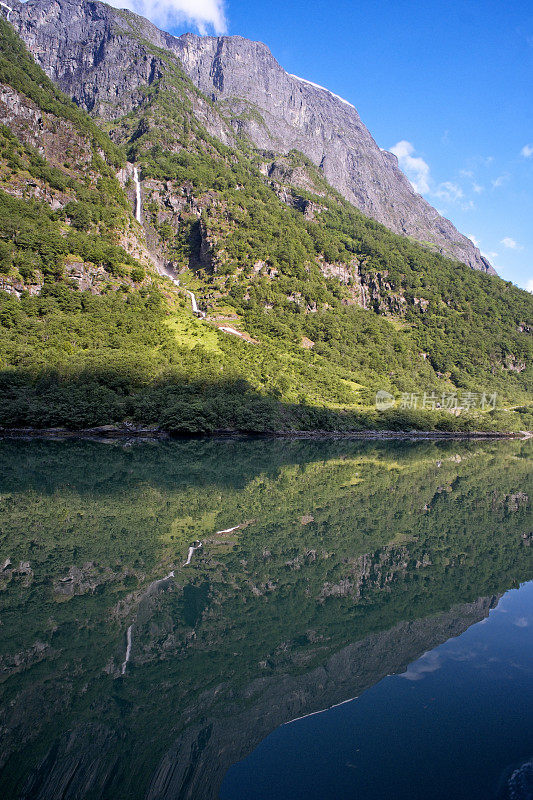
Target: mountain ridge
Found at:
308, 307
87, 49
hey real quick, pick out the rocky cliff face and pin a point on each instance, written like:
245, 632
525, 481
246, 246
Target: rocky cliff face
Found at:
100, 57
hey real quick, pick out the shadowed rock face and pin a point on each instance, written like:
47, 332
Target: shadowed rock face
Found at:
224, 725
96, 55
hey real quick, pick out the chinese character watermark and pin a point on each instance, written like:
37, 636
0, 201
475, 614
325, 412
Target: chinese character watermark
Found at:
455, 402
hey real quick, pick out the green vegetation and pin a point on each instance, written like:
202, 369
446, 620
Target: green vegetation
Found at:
339, 541
77, 360
39, 245
128, 349
18, 70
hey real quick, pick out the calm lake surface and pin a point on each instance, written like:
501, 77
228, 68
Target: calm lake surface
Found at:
357, 622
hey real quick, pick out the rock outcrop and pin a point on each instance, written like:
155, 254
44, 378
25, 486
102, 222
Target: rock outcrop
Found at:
105, 58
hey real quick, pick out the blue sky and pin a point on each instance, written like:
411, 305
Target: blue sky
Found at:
446, 84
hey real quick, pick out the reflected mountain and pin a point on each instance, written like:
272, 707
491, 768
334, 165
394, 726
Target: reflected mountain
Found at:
128, 672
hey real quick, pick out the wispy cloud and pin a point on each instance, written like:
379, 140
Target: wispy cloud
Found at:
527, 151
416, 169
529, 286
490, 255
448, 191
418, 172
204, 15
500, 180
426, 664
511, 244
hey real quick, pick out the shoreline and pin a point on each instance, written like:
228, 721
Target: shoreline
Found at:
138, 433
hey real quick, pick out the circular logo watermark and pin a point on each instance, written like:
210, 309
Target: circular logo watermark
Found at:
384, 400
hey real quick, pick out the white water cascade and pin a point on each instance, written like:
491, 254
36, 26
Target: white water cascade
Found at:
137, 194
175, 281
130, 629
128, 649
8, 9
193, 301
195, 309
138, 217
192, 548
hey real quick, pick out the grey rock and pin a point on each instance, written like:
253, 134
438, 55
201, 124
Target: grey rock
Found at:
98, 55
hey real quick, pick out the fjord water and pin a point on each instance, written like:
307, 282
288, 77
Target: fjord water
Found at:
458, 723
392, 573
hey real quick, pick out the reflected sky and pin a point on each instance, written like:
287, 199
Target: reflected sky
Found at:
137, 665
457, 723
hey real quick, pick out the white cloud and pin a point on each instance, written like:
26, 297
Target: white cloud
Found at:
416, 169
529, 286
511, 244
500, 180
418, 172
468, 173
490, 256
527, 151
204, 15
449, 192
428, 663
452, 193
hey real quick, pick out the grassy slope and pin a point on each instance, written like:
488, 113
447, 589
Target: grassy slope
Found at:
135, 352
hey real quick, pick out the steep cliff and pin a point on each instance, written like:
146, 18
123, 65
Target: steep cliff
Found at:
100, 57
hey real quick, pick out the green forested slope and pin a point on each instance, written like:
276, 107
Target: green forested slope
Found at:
336, 305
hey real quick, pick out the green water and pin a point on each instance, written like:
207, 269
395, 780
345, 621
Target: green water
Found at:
348, 562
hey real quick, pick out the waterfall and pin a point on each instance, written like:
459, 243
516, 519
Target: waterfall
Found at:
228, 530
192, 548
137, 194
193, 301
128, 649
195, 308
7, 8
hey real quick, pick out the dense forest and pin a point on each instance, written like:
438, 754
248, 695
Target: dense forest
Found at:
330, 306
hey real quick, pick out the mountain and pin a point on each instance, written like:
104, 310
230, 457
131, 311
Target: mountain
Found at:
160, 269
101, 57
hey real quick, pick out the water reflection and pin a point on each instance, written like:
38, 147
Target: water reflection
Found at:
456, 724
324, 567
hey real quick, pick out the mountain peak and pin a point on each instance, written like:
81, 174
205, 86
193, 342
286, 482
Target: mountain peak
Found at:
98, 55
